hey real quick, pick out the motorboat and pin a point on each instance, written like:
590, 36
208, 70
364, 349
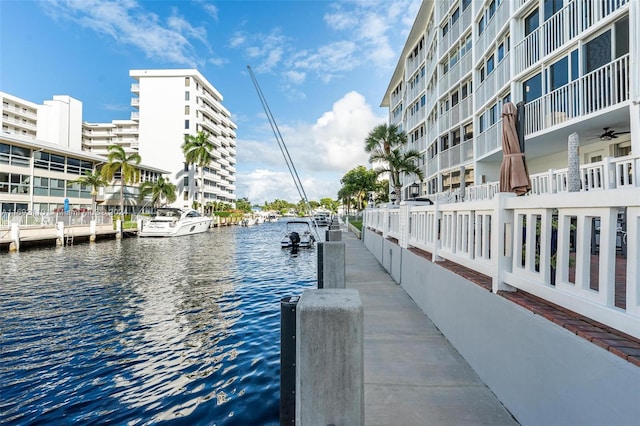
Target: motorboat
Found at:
322, 219
298, 234
175, 222
248, 220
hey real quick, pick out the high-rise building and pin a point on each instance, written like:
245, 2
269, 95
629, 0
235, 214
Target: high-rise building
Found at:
171, 104
574, 64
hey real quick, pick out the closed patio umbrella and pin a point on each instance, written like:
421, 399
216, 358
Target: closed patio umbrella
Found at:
514, 176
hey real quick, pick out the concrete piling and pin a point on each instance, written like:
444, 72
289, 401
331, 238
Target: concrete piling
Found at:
330, 358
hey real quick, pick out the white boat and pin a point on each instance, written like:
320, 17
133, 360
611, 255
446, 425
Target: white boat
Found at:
298, 234
175, 222
322, 219
249, 221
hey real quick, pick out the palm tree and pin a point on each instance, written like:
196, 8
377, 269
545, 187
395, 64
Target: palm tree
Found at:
161, 190
198, 150
95, 180
399, 162
386, 146
119, 161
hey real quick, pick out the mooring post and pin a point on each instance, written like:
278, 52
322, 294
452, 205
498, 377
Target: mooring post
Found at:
92, 231
330, 361
60, 234
15, 237
331, 264
288, 360
119, 229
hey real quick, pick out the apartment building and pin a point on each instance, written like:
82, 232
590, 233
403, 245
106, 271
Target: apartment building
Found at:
574, 64
171, 104
38, 176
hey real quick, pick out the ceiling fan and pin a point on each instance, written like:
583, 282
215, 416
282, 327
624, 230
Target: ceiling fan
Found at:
610, 134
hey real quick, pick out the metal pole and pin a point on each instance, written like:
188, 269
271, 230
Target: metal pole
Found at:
288, 360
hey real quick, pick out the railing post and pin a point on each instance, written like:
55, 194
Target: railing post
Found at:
437, 242
609, 172
502, 225
403, 225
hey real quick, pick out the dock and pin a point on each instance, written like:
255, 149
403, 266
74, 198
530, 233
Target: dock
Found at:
412, 374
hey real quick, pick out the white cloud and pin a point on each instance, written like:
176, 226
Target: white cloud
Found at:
321, 152
127, 23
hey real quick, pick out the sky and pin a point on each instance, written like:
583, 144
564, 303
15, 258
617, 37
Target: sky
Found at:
323, 67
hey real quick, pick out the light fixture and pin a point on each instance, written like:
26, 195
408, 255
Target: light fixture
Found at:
393, 197
415, 190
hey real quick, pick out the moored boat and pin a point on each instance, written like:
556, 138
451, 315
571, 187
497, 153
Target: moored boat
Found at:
175, 222
298, 234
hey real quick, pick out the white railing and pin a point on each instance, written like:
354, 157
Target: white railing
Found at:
27, 220
562, 28
611, 83
492, 84
565, 248
489, 140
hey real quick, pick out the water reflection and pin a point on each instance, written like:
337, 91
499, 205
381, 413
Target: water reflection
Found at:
144, 330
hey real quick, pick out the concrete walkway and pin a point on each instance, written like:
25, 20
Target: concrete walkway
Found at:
413, 375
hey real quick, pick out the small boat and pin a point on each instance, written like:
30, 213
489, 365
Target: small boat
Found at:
322, 219
249, 221
298, 235
175, 222
272, 218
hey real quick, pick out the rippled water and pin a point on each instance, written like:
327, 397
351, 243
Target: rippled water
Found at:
139, 331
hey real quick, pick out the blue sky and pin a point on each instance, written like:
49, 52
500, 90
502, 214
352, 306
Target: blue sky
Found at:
323, 67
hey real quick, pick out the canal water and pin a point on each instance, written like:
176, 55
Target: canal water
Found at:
141, 331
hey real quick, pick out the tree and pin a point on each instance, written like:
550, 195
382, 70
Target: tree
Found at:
330, 204
95, 180
119, 161
198, 150
244, 205
400, 162
161, 190
356, 183
387, 148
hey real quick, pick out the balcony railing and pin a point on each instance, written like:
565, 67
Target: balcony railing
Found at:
600, 89
562, 28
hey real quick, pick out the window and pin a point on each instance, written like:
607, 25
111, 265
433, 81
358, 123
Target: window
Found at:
490, 64
445, 29
186, 95
187, 81
468, 132
454, 98
492, 9
455, 136
597, 52
493, 115
531, 22
465, 4
185, 181
500, 51
532, 88
551, 7
186, 110
622, 37
455, 15
482, 74
559, 74
186, 124
481, 25
444, 142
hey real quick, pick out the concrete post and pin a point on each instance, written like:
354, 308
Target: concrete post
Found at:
60, 234
92, 231
119, 229
331, 265
15, 237
573, 170
140, 224
333, 235
330, 358
502, 228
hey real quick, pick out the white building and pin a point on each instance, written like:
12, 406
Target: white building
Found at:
574, 63
175, 103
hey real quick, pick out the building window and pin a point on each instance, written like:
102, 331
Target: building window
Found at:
186, 95
186, 110
468, 132
559, 74
454, 98
490, 64
465, 4
187, 81
532, 88
492, 9
455, 15
444, 142
531, 22
481, 25
186, 124
551, 7
455, 136
622, 37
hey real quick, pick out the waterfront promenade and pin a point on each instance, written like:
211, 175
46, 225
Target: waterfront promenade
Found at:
412, 374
